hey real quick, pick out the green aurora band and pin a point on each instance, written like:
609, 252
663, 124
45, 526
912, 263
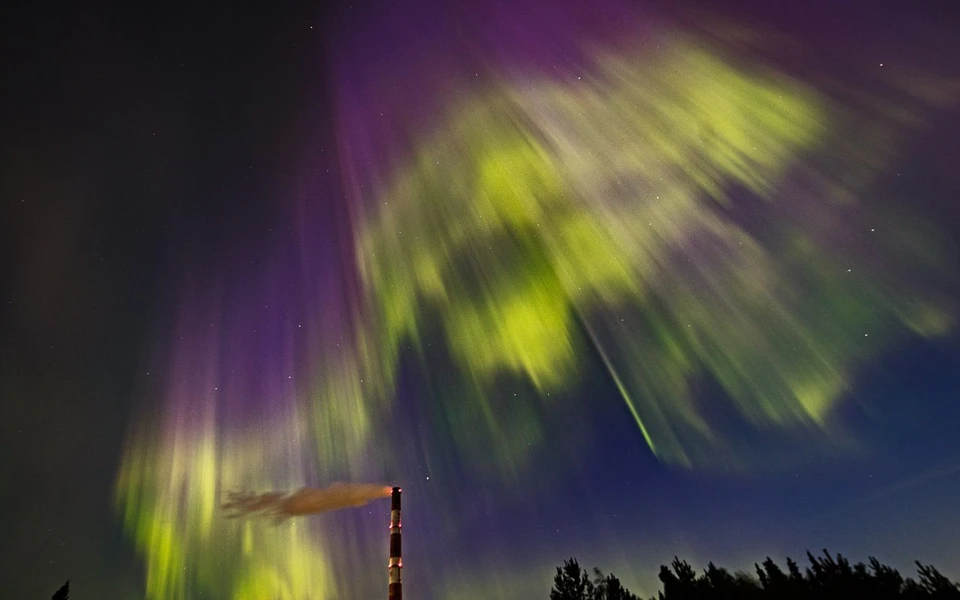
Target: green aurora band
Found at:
604, 208
537, 221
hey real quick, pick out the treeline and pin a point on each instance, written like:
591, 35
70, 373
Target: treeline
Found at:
827, 578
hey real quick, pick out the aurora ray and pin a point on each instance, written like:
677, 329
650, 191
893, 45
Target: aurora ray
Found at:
662, 202
610, 207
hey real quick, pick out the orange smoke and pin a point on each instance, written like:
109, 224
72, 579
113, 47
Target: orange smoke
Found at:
305, 501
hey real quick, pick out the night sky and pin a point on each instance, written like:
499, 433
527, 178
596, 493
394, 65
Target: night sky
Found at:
617, 280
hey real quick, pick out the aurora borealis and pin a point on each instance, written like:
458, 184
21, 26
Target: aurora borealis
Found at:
620, 281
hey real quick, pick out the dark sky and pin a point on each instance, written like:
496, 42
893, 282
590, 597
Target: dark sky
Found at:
145, 145
136, 140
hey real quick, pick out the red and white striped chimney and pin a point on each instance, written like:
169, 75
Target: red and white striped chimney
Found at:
396, 562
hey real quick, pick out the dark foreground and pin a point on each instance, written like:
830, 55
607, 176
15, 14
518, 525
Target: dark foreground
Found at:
827, 578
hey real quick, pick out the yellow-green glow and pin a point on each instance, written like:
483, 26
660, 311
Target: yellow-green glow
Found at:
171, 508
541, 224
607, 198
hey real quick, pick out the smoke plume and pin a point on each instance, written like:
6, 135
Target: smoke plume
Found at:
305, 501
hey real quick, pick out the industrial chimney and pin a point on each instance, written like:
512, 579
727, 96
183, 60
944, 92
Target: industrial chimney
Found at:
396, 563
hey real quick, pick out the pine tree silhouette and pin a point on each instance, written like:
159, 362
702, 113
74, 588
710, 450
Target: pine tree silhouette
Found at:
608, 587
828, 577
571, 583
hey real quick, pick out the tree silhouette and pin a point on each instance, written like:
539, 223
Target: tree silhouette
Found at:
932, 584
608, 587
571, 583
63, 593
828, 577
